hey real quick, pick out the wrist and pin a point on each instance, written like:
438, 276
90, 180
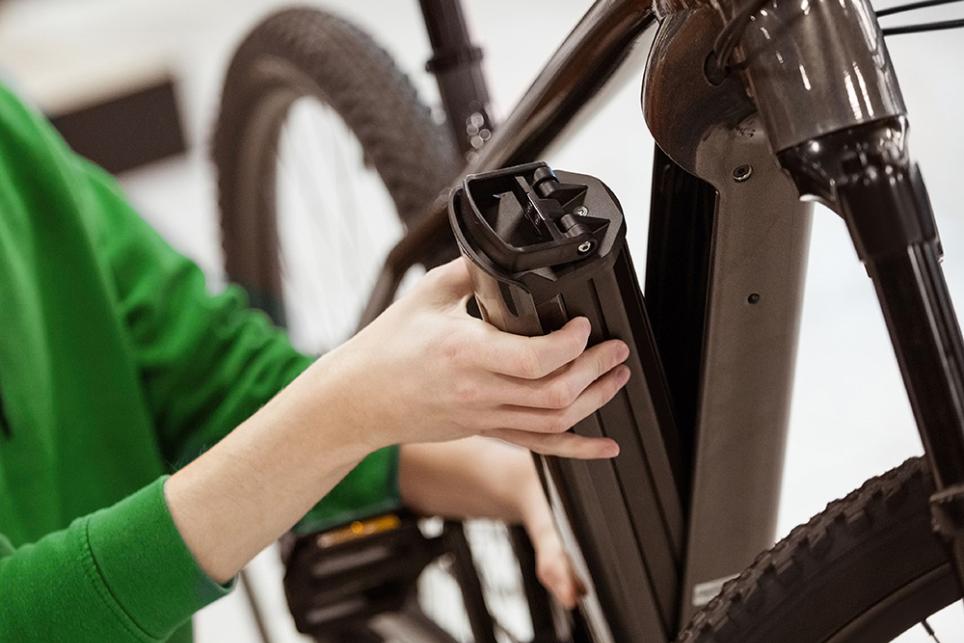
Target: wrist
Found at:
537, 518
316, 410
339, 394
532, 506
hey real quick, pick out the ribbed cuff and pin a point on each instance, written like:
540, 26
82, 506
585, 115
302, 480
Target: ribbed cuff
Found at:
143, 564
369, 489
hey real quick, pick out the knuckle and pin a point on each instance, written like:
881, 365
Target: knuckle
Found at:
466, 392
453, 348
436, 273
546, 573
430, 281
605, 360
527, 363
576, 346
558, 395
559, 423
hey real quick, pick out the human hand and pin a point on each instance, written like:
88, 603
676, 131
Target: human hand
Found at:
426, 371
481, 478
554, 568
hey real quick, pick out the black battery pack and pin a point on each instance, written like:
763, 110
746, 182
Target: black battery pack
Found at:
544, 247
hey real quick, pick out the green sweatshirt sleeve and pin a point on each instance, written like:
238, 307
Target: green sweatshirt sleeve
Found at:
202, 364
120, 574
208, 361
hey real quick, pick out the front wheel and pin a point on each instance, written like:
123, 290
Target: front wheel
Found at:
868, 569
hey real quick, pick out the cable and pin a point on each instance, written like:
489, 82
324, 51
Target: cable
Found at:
927, 26
718, 64
729, 38
255, 605
911, 6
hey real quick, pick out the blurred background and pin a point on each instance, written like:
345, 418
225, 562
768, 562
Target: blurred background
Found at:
103, 69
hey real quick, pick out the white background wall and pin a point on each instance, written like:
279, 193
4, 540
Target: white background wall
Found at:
850, 417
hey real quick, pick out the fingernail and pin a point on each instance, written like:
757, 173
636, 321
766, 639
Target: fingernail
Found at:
624, 374
623, 353
612, 449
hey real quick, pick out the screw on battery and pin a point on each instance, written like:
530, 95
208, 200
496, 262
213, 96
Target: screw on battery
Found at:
581, 211
742, 172
584, 247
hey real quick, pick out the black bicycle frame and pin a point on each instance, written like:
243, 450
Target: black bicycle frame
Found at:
728, 241
457, 65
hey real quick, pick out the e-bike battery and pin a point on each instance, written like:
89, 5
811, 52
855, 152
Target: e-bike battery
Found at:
544, 247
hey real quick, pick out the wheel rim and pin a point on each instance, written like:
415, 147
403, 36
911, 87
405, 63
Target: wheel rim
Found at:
900, 617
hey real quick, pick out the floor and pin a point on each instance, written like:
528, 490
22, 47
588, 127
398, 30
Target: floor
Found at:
850, 417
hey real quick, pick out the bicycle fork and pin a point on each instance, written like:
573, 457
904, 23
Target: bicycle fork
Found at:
867, 176
828, 95
821, 79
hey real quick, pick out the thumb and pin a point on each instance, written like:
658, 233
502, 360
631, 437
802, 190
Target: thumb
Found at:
449, 283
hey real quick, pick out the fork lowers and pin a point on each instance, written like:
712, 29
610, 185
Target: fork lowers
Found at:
867, 176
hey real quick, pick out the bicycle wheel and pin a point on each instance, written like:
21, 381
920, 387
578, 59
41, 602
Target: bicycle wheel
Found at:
323, 152
867, 569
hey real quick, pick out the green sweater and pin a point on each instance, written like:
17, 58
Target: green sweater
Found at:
116, 367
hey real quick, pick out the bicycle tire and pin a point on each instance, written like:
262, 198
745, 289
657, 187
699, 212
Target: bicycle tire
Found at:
298, 53
864, 570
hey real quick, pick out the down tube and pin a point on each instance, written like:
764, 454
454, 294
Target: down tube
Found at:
754, 287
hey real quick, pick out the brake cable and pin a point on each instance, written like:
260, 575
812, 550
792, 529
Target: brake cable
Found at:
927, 26
718, 64
911, 6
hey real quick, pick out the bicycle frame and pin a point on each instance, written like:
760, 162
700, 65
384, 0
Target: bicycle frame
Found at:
728, 240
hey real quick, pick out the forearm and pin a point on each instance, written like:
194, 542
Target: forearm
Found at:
245, 492
423, 371
480, 477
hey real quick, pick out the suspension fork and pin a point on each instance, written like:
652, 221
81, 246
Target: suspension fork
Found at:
826, 90
866, 174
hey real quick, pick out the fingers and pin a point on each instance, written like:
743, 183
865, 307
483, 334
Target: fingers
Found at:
504, 353
561, 389
556, 575
533, 357
538, 420
563, 445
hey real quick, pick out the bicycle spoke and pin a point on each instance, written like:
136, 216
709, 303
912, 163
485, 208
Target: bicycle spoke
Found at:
335, 223
303, 282
927, 628
323, 217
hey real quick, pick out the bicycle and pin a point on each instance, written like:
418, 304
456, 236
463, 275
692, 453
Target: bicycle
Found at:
722, 288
